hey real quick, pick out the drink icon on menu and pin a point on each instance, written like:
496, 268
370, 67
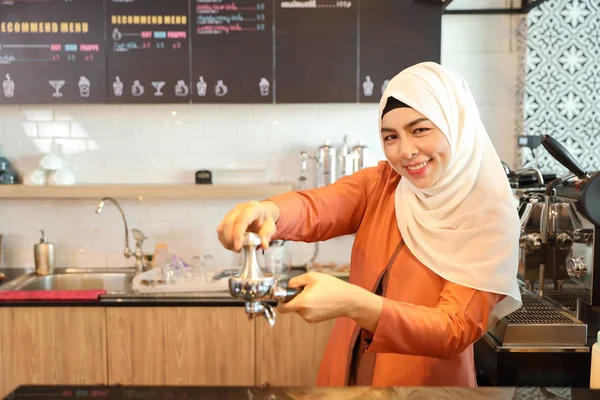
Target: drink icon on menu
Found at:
117, 35
181, 89
57, 84
220, 88
368, 86
118, 87
137, 89
9, 86
201, 87
84, 86
384, 85
158, 85
264, 86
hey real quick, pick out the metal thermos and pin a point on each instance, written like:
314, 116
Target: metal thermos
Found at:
360, 153
44, 256
345, 159
326, 165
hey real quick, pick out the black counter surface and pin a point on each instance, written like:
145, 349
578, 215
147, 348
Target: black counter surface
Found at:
231, 393
141, 300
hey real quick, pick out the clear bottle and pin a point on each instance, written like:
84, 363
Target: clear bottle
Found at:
595, 367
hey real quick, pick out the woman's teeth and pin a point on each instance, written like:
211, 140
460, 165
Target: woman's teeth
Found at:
418, 166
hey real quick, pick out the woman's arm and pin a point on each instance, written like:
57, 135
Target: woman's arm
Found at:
444, 331
323, 213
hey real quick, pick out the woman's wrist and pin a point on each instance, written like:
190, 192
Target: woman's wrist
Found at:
364, 308
273, 209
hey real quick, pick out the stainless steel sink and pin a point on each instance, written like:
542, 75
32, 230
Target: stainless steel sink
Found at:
75, 279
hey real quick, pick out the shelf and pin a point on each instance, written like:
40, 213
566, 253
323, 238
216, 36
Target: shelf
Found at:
152, 191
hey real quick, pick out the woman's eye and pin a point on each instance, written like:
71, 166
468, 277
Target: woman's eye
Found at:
389, 137
420, 130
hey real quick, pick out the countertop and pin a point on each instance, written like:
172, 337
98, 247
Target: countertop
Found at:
237, 393
222, 299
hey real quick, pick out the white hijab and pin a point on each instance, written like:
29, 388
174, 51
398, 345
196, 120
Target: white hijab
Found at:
465, 227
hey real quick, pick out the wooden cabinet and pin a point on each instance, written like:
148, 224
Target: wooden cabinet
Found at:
180, 346
52, 345
289, 354
156, 346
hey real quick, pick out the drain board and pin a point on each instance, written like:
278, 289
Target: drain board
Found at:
567, 297
539, 323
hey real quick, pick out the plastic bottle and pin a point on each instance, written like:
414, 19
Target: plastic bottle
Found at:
595, 368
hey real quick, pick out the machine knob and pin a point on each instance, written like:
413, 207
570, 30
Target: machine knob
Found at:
564, 241
576, 267
532, 241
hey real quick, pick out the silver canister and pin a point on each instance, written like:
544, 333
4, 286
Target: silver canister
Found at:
326, 165
360, 154
44, 255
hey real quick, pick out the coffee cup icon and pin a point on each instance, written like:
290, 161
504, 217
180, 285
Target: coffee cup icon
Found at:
264, 86
9, 86
220, 88
137, 89
84, 86
181, 89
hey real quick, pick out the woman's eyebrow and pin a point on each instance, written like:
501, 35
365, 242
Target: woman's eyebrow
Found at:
416, 121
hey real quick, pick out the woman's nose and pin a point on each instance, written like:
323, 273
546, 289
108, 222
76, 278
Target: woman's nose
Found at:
408, 149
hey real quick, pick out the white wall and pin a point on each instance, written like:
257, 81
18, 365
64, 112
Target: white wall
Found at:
142, 144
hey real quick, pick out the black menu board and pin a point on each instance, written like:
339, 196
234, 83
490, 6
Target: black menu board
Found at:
316, 51
232, 51
148, 51
52, 51
393, 36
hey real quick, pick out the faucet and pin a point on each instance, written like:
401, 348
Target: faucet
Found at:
255, 287
137, 235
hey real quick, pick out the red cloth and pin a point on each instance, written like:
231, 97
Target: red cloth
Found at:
17, 295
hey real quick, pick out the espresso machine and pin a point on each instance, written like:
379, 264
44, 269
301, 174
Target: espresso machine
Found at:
547, 341
259, 290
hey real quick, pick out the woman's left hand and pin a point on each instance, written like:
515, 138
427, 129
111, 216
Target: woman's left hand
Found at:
323, 297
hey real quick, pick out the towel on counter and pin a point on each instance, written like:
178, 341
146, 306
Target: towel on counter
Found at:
49, 295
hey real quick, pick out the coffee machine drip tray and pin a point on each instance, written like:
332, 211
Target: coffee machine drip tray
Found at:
539, 323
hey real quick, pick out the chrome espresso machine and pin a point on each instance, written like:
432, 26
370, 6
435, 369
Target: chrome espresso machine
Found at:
548, 341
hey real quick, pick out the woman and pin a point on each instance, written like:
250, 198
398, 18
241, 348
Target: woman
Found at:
434, 261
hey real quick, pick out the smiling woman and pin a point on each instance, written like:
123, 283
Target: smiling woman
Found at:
434, 261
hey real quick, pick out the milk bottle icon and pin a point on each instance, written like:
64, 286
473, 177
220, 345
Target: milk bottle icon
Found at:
9, 86
384, 85
220, 88
118, 87
181, 89
264, 86
84, 86
137, 89
368, 86
201, 87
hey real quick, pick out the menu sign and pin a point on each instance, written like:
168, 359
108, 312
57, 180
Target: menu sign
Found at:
148, 51
52, 51
316, 51
232, 51
393, 36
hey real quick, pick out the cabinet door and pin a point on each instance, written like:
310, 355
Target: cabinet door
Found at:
136, 345
52, 346
289, 354
180, 346
210, 346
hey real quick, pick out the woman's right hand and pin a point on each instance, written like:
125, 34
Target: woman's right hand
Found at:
254, 216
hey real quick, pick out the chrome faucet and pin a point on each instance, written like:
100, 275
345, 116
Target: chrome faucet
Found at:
256, 287
137, 235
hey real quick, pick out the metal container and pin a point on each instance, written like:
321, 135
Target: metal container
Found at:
360, 153
44, 255
326, 165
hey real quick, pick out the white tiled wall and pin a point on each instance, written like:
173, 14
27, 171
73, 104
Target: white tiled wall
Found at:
149, 144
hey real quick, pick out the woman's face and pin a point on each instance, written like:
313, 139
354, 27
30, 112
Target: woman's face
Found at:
415, 147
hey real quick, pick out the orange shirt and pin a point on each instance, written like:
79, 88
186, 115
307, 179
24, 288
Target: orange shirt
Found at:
426, 331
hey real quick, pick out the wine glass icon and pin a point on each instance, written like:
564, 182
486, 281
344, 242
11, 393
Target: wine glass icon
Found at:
158, 86
57, 84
